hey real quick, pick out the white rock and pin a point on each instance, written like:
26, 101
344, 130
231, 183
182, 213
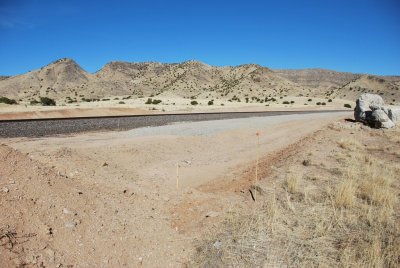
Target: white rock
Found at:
394, 113
67, 211
212, 214
70, 224
363, 104
380, 119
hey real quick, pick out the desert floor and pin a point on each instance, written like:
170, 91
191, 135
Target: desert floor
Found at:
168, 105
134, 197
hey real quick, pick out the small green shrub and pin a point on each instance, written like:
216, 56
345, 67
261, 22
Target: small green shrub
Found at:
309, 99
157, 101
121, 102
194, 103
149, 101
318, 103
330, 100
7, 100
285, 102
210, 102
346, 105
45, 101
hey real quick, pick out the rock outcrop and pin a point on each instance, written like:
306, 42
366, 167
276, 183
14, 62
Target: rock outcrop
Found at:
371, 110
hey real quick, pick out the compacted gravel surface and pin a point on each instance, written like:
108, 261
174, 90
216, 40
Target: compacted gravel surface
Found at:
49, 127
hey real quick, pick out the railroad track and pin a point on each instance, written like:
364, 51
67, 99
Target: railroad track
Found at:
57, 126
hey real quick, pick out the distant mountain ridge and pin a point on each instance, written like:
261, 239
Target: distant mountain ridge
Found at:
66, 81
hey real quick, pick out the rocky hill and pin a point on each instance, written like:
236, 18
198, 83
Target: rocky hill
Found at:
317, 78
65, 81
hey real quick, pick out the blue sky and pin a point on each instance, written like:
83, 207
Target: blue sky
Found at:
355, 36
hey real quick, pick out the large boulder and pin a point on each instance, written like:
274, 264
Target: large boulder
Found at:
370, 109
363, 111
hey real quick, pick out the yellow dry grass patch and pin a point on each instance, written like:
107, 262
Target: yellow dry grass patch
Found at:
347, 143
348, 220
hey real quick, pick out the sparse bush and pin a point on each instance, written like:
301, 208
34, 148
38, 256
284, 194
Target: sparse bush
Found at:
318, 103
45, 101
194, 103
323, 103
346, 105
157, 101
309, 99
149, 101
7, 100
330, 100
210, 102
121, 102
291, 102
285, 102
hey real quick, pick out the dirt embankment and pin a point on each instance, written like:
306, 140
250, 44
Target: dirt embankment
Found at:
112, 199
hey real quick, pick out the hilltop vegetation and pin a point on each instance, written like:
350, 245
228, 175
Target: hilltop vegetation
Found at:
65, 81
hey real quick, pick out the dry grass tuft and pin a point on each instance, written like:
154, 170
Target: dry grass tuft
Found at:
349, 144
292, 184
345, 194
350, 219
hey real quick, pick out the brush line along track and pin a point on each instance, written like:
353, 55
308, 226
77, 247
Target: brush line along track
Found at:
56, 126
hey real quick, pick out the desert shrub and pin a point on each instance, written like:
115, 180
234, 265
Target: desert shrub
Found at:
318, 103
121, 102
194, 103
346, 105
149, 101
210, 102
157, 101
285, 102
45, 101
7, 100
292, 102
323, 103
330, 100
34, 102
309, 99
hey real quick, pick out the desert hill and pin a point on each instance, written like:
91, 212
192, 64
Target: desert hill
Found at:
317, 78
65, 81
388, 89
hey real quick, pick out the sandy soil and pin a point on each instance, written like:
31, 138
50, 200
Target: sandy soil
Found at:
168, 105
134, 197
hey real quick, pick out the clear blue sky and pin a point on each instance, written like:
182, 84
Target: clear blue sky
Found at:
355, 36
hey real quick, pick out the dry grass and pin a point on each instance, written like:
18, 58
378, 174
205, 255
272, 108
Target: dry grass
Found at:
292, 183
350, 219
347, 143
345, 194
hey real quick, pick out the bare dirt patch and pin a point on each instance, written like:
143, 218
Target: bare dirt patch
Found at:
110, 199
